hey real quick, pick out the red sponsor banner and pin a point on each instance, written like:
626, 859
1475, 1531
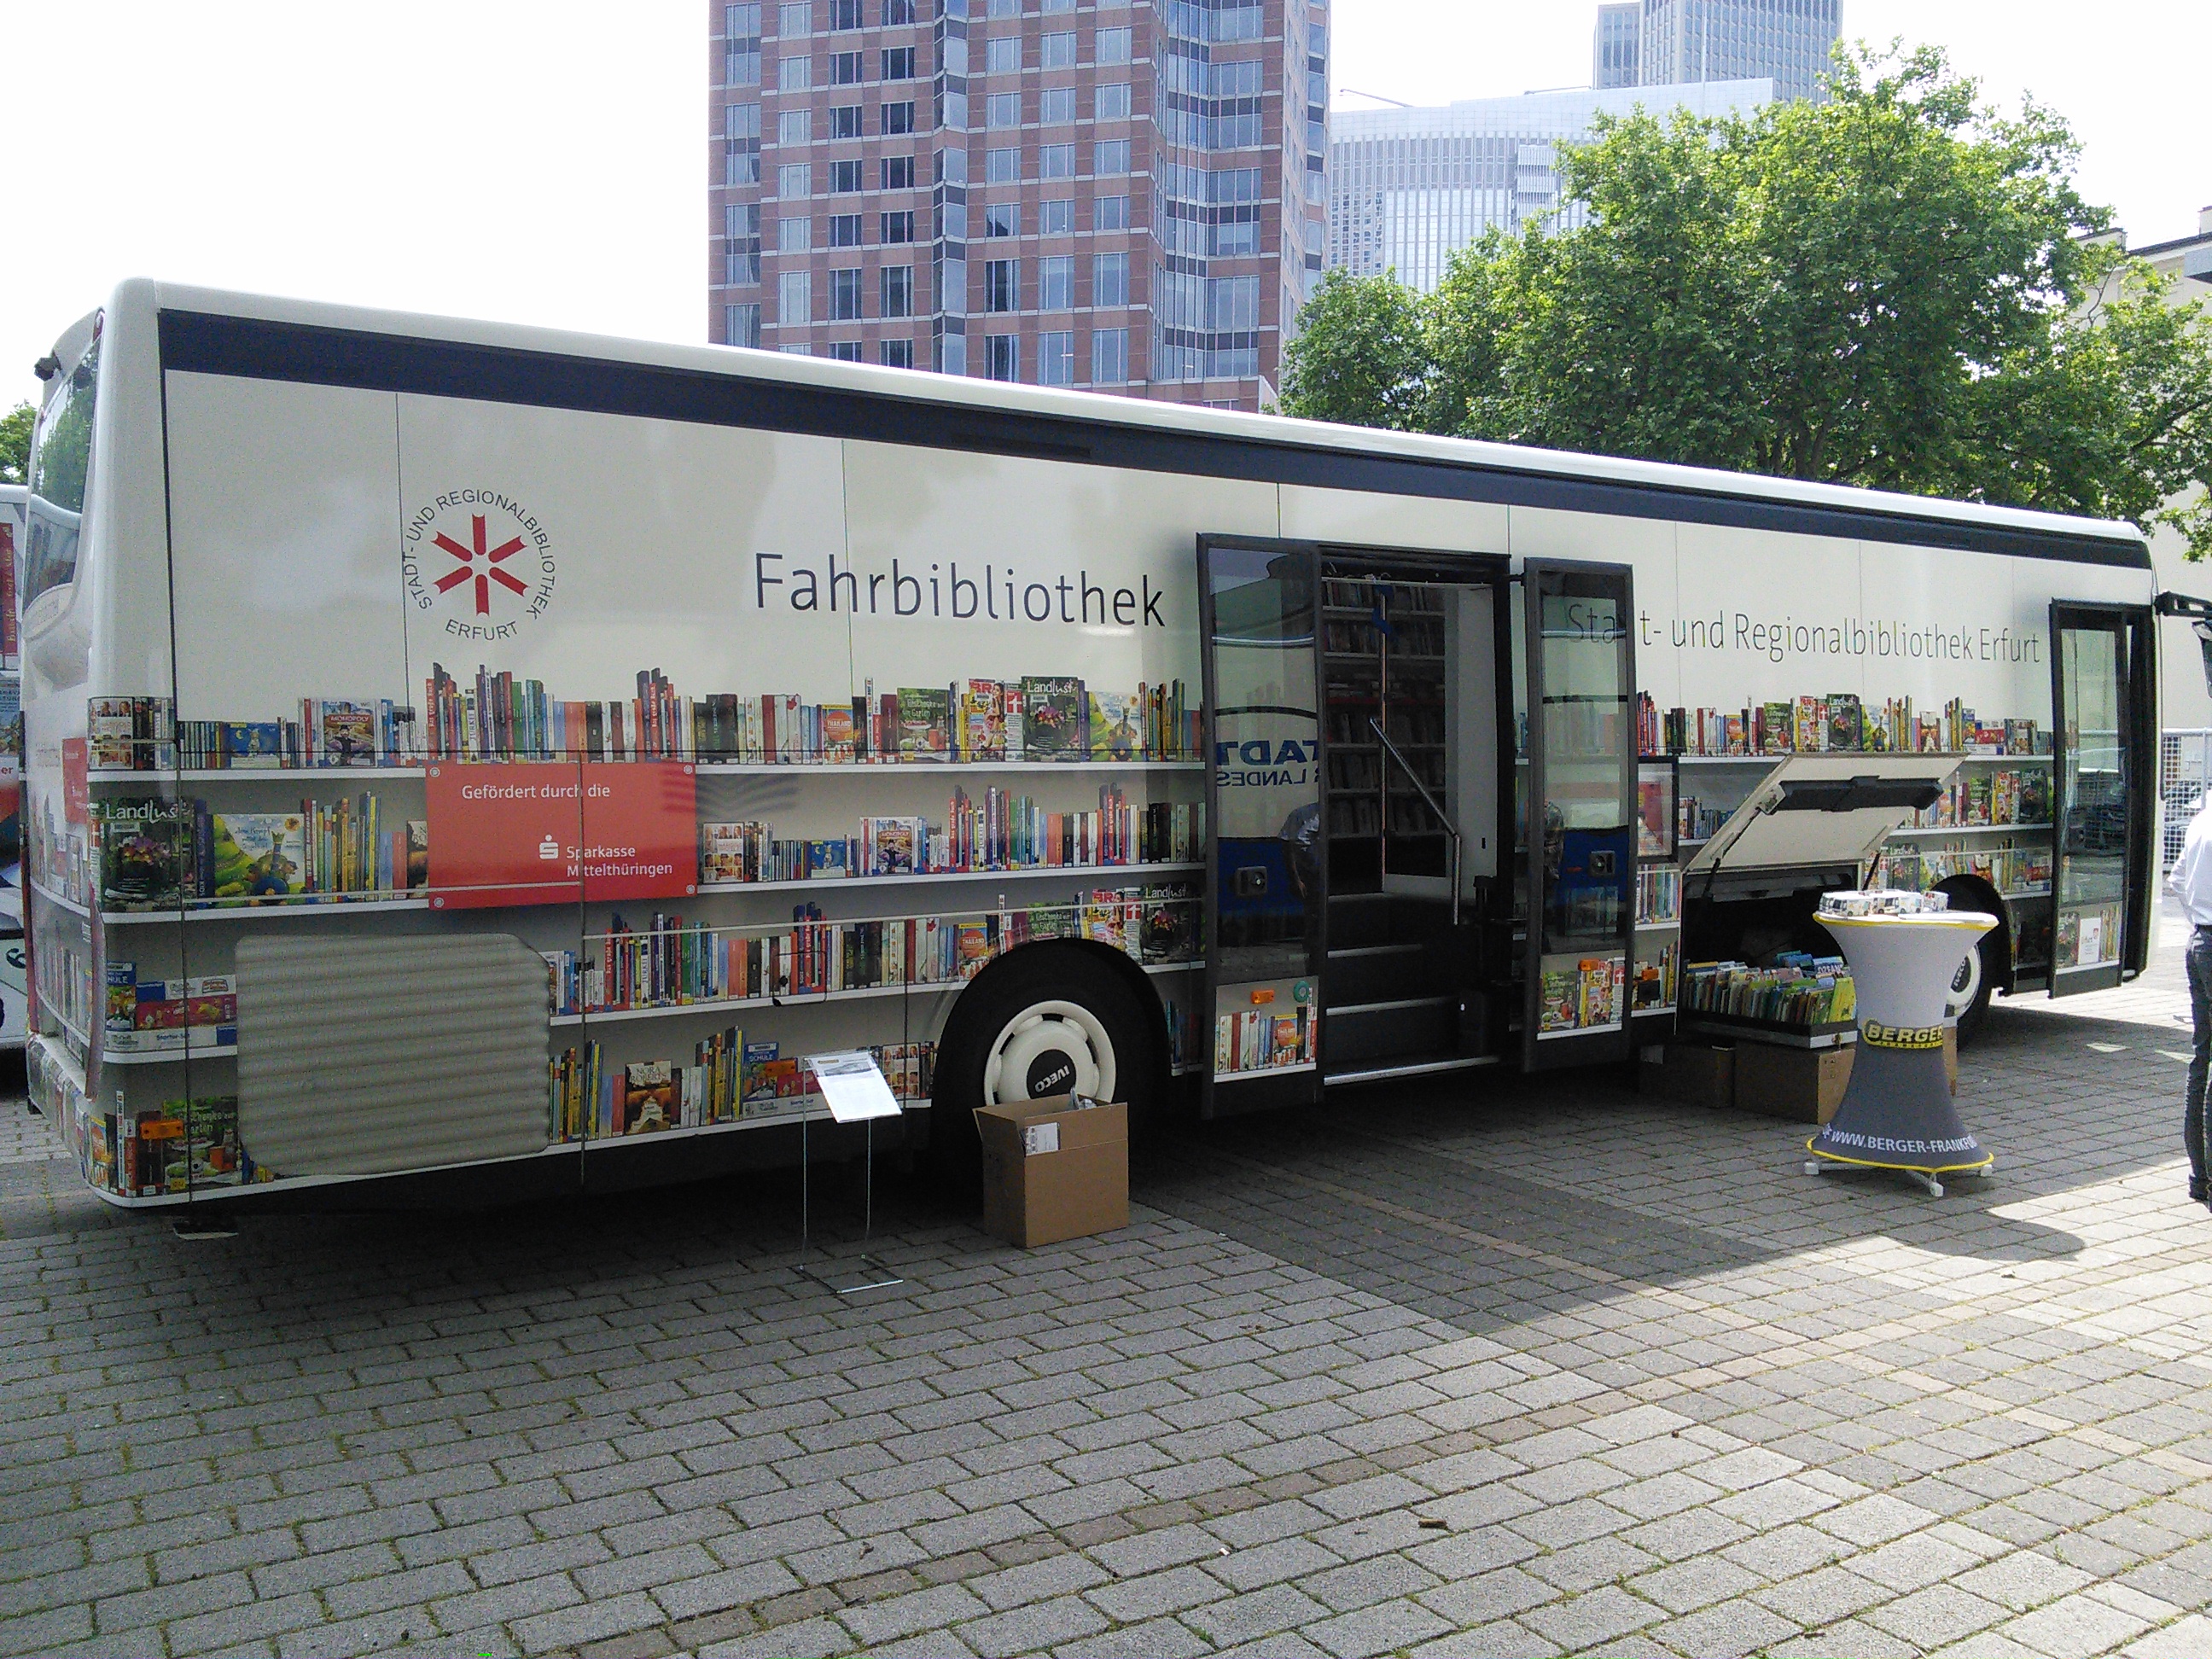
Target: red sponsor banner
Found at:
551, 834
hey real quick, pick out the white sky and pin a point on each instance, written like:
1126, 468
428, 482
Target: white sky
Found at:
545, 162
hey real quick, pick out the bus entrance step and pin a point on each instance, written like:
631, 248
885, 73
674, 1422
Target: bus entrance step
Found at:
1409, 1067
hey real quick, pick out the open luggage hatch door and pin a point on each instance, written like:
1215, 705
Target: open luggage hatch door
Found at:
1815, 812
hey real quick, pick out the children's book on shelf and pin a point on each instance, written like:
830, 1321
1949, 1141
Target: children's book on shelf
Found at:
1113, 733
259, 856
252, 745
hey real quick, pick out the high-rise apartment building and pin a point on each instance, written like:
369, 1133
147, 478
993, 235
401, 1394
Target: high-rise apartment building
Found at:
1665, 42
1122, 195
1615, 49
1408, 187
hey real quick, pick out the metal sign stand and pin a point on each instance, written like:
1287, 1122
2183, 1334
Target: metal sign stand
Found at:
856, 1091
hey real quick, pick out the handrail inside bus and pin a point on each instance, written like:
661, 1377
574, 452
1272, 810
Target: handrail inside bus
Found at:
1434, 805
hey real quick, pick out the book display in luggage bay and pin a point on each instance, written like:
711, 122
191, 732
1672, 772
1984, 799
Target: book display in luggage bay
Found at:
210, 821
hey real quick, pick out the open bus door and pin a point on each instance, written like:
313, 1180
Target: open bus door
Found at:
1266, 889
1580, 783
2103, 713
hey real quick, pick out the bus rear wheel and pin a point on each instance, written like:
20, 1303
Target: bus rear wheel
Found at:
1048, 1020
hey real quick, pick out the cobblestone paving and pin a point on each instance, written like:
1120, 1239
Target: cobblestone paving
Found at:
1534, 1367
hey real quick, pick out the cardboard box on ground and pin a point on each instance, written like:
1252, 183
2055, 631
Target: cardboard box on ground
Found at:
1053, 1171
1805, 1085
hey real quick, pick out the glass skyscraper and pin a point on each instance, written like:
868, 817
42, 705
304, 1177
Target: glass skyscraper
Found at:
1662, 42
1409, 186
1067, 193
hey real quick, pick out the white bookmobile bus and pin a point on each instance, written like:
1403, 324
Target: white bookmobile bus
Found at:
466, 759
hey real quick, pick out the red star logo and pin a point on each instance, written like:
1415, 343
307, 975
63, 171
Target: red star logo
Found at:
492, 560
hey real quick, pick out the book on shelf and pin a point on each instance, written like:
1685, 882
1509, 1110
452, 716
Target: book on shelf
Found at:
1840, 722
729, 1080
1799, 989
925, 723
670, 961
163, 854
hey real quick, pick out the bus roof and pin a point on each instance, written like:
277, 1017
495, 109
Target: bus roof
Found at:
280, 338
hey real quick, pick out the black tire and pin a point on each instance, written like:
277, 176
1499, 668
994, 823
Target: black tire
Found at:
1986, 958
1012, 993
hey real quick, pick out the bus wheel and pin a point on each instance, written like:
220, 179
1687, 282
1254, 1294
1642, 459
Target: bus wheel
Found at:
1046, 1021
1969, 1000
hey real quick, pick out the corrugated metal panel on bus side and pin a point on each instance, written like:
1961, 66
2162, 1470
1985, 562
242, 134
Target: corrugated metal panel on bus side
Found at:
365, 1056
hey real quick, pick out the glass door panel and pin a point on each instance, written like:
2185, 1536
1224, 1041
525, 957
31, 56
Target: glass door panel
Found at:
1266, 889
2098, 725
1583, 812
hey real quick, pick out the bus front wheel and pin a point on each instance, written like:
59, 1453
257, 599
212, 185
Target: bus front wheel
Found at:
1045, 1021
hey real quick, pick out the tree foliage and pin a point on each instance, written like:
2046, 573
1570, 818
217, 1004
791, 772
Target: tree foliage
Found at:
15, 444
1896, 288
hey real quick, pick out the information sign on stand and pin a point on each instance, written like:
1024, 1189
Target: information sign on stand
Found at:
855, 1090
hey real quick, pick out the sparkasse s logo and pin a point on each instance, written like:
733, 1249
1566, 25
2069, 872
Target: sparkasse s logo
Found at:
481, 562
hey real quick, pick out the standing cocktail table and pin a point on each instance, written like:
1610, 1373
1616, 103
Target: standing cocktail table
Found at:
1896, 1112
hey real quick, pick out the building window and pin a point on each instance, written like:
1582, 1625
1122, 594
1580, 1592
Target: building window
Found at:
844, 295
845, 230
1113, 101
1002, 166
899, 118
1058, 51
1003, 219
741, 324
898, 290
1002, 110
845, 351
1002, 356
795, 182
898, 353
953, 354
1056, 217
1056, 283
1110, 157
845, 121
1002, 284
1051, 6
898, 64
898, 226
741, 224
1113, 47
897, 11
845, 13
801, 349
844, 176
1110, 357
898, 172
1109, 279
845, 69
794, 303
1005, 8
1056, 104
794, 74
1003, 56
741, 130
1056, 358
795, 17
953, 167
1109, 213
741, 42
791, 235
794, 127
1055, 160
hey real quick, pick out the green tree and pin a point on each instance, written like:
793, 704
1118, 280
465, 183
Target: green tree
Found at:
1895, 288
1360, 355
15, 444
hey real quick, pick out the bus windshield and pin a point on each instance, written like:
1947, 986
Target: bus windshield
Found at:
60, 469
